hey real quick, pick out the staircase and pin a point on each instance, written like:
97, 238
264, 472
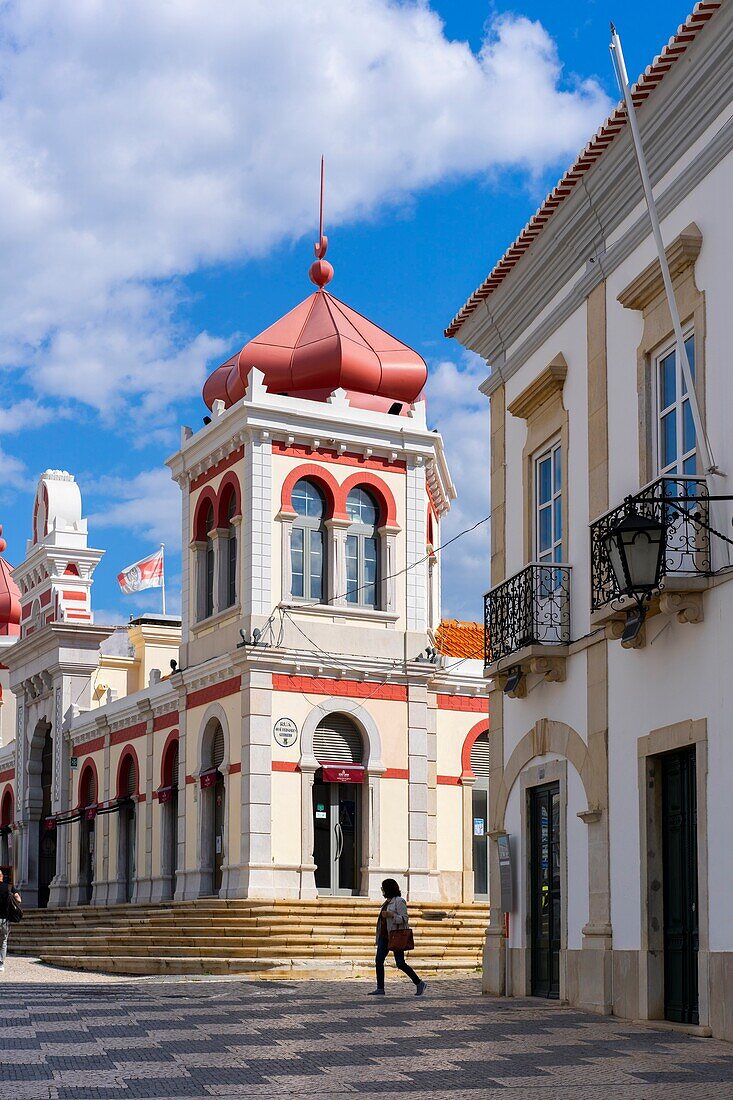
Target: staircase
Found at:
329, 937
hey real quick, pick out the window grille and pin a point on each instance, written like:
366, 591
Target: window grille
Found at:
90, 789
338, 741
480, 756
128, 786
217, 748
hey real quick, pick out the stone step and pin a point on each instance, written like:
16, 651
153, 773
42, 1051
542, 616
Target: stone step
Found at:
255, 968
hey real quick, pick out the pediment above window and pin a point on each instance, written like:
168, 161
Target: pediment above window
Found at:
548, 384
681, 255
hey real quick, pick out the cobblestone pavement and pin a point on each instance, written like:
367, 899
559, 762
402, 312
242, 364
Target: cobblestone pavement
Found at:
167, 1039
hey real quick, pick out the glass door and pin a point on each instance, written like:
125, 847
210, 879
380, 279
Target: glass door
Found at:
480, 844
336, 836
545, 899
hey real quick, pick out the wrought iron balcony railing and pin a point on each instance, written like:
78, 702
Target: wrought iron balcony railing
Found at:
682, 504
532, 608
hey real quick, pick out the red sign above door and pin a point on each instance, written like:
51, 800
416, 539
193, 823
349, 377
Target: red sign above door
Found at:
343, 773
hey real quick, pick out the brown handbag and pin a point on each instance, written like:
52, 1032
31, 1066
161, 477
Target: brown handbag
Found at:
401, 939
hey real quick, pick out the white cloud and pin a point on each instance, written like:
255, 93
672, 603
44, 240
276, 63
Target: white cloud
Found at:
26, 414
139, 142
147, 506
461, 413
13, 475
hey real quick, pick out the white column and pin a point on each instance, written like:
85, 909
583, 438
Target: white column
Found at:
416, 534
286, 570
336, 560
307, 838
422, 878
254, 876
257, 596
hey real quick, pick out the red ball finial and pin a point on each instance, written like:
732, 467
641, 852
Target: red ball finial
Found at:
320, 272
3, 543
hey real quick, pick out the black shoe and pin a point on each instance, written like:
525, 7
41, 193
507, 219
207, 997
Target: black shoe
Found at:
421, 987
377, 992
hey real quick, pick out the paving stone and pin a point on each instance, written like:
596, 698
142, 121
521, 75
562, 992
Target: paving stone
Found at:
171, 1040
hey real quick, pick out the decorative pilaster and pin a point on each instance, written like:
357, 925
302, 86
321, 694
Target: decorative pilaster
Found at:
422, 878
416, 576
254, 875
336, 560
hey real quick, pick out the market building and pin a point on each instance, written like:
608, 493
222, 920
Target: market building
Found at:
309, 725
611, 755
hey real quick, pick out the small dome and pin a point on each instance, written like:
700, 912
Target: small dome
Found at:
9, 596
320, 346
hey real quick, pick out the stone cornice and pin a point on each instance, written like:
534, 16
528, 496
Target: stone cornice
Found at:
718, 148
681, 254
546, 385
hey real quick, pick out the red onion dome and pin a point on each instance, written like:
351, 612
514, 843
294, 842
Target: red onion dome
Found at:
9, 596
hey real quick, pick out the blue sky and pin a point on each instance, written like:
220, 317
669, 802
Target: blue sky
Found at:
158, 207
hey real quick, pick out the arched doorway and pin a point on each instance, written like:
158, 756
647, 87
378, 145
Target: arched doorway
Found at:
337, 805
168, 800
6, 836
127, 800
87, 830
47, 830
213, 805
480, 815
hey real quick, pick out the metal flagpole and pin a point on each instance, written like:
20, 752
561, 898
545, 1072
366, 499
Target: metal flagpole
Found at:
706, 454
162, 573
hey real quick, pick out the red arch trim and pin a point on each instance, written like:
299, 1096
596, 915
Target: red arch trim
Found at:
229, 484
208, 497
127, 752
325, 481
166, 757
382, 492
7, 799
471, 738
89, 766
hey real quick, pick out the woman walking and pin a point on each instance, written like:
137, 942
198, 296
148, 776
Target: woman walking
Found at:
392, 921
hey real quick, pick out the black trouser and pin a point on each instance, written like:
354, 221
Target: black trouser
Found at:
399, 958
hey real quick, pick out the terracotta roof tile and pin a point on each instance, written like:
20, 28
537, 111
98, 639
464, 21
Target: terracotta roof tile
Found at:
460, 639
613, 125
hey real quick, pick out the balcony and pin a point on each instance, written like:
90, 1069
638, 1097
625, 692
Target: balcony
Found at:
682, 505
527, 626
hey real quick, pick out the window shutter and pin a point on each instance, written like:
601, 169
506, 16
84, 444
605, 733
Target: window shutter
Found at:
480, 756
217, 748
338, 741
129, 779
90, 789
174, 766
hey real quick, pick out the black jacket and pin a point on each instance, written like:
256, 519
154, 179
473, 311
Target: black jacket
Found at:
4, 894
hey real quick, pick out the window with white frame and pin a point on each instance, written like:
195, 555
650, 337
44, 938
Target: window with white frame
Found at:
676, 446
362, 550
548, 504
307, 543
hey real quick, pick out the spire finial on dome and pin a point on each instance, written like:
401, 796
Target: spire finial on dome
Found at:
321, 271
3, 543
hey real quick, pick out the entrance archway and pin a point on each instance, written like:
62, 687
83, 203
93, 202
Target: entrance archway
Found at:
127, 789
168, 801
213, 808
338, 786
87, 831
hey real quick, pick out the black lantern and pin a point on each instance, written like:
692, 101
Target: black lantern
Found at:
635, 548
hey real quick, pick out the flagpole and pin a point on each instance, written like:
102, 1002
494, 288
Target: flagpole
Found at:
706, 454
162, 576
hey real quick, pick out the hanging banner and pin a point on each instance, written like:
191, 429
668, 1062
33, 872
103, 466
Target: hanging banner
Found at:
208, 779
343, 773
165, 794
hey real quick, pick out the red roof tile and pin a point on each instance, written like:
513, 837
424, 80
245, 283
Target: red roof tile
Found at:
460, 639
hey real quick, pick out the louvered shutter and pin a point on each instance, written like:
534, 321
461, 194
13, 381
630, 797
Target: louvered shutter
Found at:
480, 756
338, 741
174, 766
129, 779
90, 789
217, 748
